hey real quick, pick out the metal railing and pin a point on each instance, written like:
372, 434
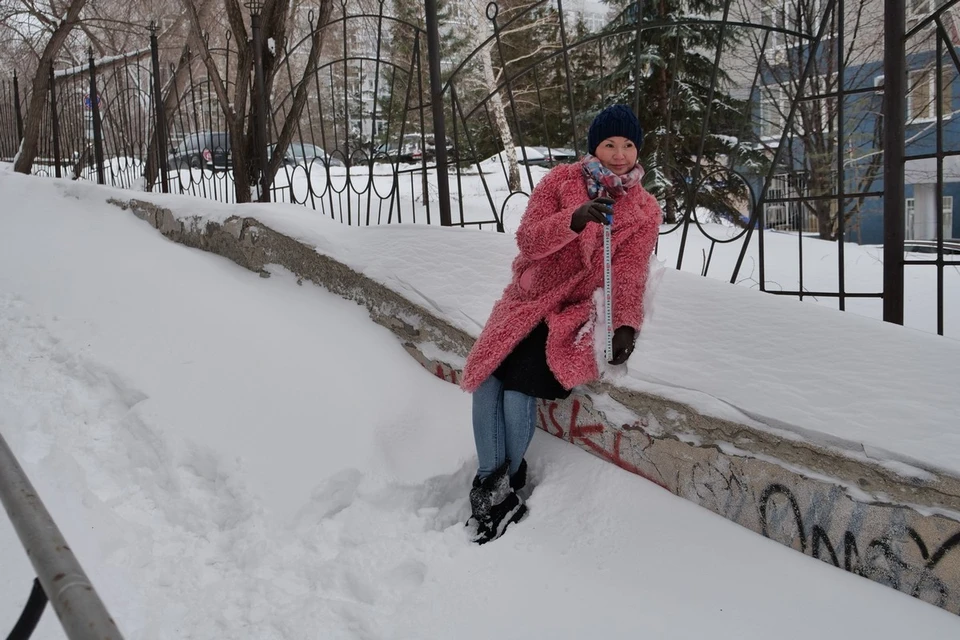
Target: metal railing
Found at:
60, 578
807, 124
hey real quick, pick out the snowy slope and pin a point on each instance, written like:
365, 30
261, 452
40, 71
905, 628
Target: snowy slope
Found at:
843, 380
238, 457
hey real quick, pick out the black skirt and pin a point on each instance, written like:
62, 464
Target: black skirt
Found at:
526, 369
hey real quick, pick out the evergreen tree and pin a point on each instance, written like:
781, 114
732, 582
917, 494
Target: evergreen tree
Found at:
588, 63
670, 71
407, 96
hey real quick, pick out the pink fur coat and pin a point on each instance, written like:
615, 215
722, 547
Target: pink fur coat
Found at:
555, 276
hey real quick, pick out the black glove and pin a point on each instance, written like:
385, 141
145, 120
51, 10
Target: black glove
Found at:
623, 339
595, 210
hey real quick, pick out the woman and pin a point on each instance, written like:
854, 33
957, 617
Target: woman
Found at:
539, 340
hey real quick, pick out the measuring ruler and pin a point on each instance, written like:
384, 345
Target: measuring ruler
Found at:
608, 284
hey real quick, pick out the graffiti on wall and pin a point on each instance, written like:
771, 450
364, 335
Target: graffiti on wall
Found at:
893, 545
570, 420
900, 558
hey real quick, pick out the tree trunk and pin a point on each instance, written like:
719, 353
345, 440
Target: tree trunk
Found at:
235, 110
500, 117
29, 146
820, 184
240, 153
826, 223
664, 149
171, 97
303, 87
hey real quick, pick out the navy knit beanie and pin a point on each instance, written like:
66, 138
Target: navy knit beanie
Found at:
615, 120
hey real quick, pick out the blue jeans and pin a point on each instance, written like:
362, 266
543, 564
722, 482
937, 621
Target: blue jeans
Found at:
503, 426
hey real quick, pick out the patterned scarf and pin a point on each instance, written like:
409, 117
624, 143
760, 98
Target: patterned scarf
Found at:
603, 182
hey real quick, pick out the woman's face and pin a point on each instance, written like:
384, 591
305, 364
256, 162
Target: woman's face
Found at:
618, 154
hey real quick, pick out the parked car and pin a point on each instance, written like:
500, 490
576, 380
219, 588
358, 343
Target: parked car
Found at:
203, 150
535, 156
950, 246
386, 152
305, 154
410, 150
553, 156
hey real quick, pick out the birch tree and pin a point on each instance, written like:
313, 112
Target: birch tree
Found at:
520, 27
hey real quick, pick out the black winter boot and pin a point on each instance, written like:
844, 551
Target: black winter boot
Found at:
495, 505
518, 480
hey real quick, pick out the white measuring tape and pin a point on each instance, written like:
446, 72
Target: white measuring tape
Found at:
608, 284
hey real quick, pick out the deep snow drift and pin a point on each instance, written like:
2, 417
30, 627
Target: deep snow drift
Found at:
238, 457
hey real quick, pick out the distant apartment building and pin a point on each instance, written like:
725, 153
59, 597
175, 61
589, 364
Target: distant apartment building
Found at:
836, 144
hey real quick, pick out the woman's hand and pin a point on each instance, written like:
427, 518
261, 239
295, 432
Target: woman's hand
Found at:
595, 210
623, 340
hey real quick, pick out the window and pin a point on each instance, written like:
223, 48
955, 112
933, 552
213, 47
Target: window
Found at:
804, 16
947, 216
909, 215
801, 16
771, 16
910, 218
917, 10
921, 91
773, 109
788, 216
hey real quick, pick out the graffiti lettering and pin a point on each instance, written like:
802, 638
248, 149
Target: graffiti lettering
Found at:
593, 436
886, 559
442, 371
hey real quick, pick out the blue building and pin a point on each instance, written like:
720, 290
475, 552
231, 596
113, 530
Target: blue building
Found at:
834, 142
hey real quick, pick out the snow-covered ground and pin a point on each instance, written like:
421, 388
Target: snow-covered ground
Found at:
359, 196
238, 457
842, 380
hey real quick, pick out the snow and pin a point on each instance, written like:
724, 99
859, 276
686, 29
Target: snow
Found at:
101, 62
532, 154
801, 370
241, 457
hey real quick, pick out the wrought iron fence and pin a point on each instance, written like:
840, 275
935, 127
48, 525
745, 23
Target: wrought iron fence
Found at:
11, 123
807, 115
932, 148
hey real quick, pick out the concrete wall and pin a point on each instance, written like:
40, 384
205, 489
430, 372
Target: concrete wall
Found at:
848, 512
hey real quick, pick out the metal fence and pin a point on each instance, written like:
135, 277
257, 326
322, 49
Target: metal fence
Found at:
842, 124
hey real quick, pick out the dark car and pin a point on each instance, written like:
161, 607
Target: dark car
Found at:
203, 150
950, 246
386, 152
306, 154
416, 148
553, 156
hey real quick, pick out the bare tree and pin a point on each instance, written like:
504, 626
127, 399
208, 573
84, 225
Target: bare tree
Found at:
59, 31
239, 106
816, 157
178, 37
40, 34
